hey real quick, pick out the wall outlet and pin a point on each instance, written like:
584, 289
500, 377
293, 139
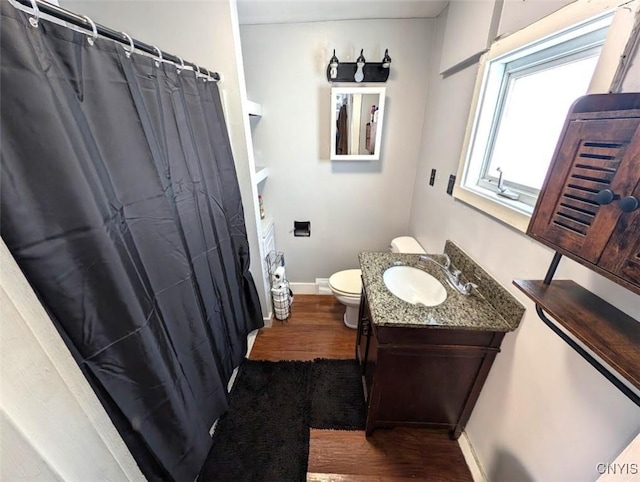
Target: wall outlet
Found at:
452, 182
432, 179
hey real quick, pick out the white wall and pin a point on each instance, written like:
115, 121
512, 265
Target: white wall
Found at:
544, 414
482, 21
353, 206
517, 14
477, 22
206, 33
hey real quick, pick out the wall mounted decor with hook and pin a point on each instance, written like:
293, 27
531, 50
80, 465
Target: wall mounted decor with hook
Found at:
360, 70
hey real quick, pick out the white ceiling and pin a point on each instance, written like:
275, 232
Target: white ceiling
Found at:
290, 11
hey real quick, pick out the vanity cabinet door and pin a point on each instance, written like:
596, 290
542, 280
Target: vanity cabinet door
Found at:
363, 333
622, 254
587, 207
591, 158
366, 345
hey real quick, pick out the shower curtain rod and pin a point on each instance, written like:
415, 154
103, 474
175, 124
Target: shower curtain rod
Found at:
80, 21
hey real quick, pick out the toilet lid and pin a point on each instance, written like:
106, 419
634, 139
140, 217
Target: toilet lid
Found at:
347, 281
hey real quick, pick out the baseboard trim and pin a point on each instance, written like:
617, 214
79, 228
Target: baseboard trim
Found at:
268, 321
323, 286
471, 459
251, 339
304, 288
310, 288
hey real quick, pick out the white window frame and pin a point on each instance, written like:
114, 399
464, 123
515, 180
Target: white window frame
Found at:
582, 43
555, 28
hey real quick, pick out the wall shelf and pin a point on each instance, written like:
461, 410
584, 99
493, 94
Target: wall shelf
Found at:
254, 109
261, 174
605, 330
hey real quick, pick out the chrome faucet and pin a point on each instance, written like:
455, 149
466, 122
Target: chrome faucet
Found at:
446, 267
453, 277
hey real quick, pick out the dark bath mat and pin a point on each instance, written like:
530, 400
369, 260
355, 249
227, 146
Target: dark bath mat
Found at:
337, 399
265, 434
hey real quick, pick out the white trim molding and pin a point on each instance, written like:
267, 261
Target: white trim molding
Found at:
320, 287
470, 457
304, 288
323, 286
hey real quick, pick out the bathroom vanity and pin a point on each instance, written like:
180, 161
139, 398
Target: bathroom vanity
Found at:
425, 366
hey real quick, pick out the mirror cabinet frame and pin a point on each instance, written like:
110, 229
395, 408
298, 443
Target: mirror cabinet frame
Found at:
380, 121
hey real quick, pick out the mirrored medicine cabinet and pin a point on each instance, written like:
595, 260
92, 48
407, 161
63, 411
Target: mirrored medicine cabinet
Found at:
357, 114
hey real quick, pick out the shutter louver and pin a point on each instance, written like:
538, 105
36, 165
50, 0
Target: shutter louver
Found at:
588, 160
595, 166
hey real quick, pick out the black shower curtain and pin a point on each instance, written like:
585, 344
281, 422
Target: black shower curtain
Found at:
120, 202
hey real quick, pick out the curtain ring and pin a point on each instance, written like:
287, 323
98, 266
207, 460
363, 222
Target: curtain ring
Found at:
180, 67
208, 77
159, 58
128, 53
196, 69
33, 21
94, 30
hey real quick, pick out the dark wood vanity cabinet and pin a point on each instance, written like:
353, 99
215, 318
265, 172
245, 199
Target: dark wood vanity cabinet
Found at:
589, 205
366, 351
422, 376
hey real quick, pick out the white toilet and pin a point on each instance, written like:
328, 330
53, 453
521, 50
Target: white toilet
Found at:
346, 285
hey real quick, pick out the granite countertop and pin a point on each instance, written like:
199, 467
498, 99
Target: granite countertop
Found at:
489, 308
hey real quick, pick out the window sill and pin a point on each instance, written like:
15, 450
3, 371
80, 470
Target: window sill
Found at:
513, 213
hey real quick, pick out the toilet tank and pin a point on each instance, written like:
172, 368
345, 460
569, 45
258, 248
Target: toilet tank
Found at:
406, 244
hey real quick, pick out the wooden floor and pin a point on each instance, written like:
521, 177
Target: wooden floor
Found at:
315, 330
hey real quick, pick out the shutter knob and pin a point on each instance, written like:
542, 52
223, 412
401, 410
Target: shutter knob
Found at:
629, 204
606, 196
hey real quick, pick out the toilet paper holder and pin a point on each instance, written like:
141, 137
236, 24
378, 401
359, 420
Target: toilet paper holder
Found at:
302, 228
281, 294
274, 260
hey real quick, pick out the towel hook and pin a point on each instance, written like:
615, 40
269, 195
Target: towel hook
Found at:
180, 67
159, 58
128, 53
33, 21
94, 30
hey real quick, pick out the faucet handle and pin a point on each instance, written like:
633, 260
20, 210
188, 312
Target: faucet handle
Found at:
447, 261
468, 288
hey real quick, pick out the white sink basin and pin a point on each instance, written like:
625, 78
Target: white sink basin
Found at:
414, 286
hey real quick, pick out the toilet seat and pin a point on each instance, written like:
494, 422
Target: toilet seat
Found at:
347, 282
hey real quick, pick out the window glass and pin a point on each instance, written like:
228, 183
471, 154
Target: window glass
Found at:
535, 107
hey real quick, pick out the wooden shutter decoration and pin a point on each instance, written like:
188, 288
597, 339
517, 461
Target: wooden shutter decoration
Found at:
596, 164
586, 162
